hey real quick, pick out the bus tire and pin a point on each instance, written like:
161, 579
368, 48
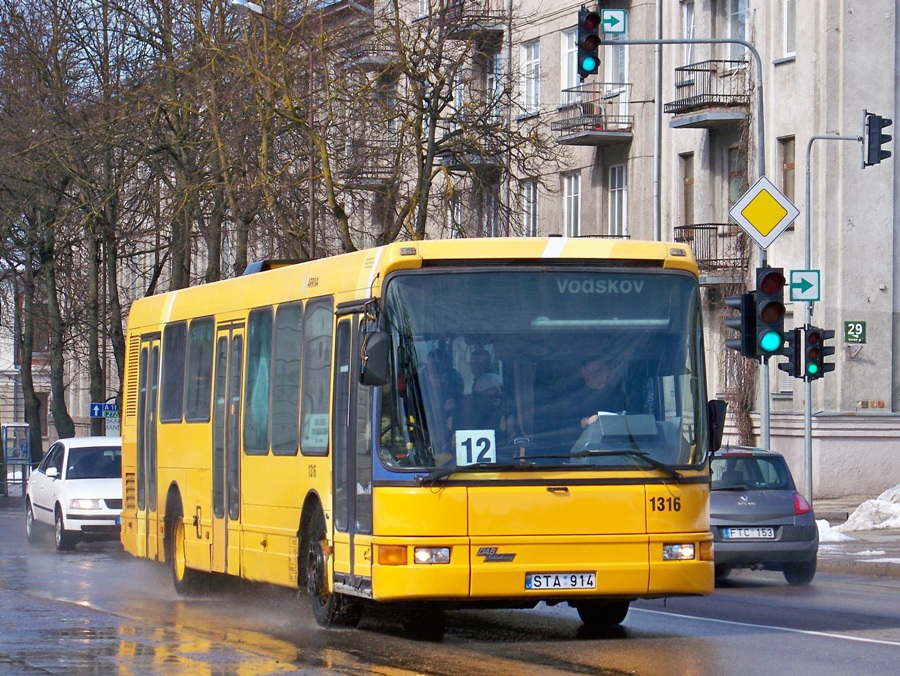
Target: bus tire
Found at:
603, 613
188, 582
330, 609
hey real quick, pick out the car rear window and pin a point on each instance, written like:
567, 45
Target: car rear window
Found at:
751, 472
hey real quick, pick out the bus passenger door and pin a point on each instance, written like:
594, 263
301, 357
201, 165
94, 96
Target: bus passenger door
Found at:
148, 389
352, 458
226, 484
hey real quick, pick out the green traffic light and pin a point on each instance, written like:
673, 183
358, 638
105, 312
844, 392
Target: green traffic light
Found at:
812, 369
770, 341
589, 64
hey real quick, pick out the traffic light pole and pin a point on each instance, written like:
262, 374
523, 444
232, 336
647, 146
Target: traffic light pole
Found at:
807, 383
761, 170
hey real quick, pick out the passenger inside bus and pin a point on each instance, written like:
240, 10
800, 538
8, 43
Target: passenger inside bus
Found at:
600, 392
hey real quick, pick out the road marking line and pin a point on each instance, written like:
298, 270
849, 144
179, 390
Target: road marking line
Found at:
807, 632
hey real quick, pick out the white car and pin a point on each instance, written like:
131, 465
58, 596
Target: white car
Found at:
77, 489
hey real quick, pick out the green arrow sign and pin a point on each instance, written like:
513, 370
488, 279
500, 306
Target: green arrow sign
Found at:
612, 20
805, 285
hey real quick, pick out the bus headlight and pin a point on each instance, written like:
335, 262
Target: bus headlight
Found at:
679, 552
432, 555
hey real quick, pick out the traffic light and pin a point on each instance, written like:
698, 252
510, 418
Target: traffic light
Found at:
588, 41
744, 324
815, 350
793, 351
769, 299
875, 139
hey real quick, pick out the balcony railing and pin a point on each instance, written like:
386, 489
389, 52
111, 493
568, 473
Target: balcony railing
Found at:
595, 114
465, 19
721, 248
710, 84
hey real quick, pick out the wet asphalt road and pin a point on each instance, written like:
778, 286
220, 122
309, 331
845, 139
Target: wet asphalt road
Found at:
97, 610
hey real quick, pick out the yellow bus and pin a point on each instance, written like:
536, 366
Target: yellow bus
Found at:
435, 424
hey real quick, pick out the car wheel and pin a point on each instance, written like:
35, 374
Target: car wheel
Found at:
329, 608
603, 613
799, 574
65, 540
30, 525
188, 582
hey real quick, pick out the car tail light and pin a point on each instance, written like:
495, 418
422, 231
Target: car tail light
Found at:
801, 506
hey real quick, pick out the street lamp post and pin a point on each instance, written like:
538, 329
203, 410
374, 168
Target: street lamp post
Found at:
253, 8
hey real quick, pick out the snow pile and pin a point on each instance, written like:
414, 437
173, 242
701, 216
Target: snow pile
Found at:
829, 534
882, 512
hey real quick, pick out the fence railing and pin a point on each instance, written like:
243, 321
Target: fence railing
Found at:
716, 246
596, 106
710, 83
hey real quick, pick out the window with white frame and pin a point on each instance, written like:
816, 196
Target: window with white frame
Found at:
424, 7
493, 85
790, 36
787, 147
687, 15
568, 77
530, 207
490, 220
617, 199
687, 182
572, 204
616, 63
737, 28
530, 64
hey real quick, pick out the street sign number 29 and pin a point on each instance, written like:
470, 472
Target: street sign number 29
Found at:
854, 332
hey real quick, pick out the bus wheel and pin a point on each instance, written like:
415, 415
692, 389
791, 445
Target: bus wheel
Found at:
188, 582
603, 613
330, 609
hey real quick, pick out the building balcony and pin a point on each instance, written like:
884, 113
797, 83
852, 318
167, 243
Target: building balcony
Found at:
475, 20
722, 251
372, 58
370, 165
594, 114
710, 94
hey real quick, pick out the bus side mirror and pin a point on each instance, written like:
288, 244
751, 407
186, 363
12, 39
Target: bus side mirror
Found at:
375, 358
716, 416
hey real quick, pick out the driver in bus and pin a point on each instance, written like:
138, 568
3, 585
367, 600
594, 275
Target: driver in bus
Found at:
601, 392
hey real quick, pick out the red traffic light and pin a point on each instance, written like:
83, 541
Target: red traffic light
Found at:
771, 282
590, 21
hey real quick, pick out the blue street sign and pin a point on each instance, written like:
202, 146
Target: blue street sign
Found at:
103, 410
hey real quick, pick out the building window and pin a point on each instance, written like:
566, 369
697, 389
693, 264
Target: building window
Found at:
787, 146
490, 219
616, 63
454, 217
687, 14
687, 189
493, 86
531, 76
790, 36
737, 175
530, 207
572, 204
569, 69
737, 28
617, 199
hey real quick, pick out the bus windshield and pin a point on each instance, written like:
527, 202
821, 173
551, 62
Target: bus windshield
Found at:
506, 368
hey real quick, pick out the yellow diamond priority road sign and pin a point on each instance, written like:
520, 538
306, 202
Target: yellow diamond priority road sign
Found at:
764, 212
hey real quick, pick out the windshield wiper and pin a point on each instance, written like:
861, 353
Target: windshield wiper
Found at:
442, 472
650, 460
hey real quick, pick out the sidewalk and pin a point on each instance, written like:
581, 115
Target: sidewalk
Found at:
869, 552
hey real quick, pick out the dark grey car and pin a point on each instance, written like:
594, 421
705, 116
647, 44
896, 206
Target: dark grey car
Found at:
758, 518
